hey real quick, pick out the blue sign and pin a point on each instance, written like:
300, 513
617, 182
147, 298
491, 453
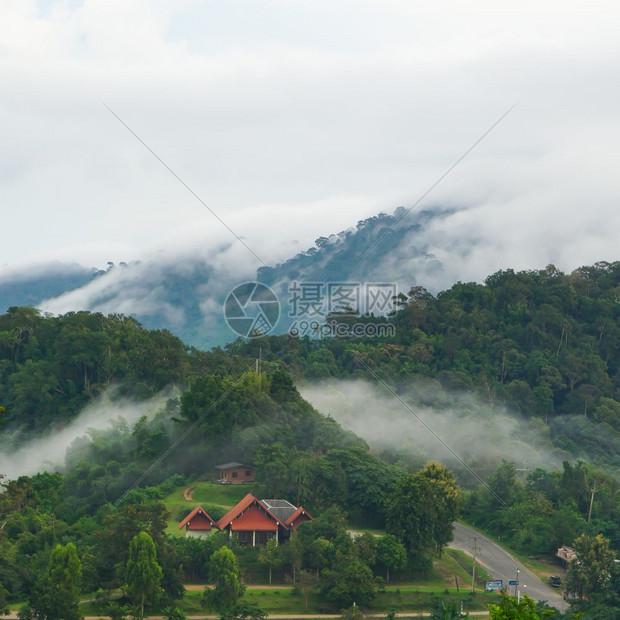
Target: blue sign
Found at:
512, 582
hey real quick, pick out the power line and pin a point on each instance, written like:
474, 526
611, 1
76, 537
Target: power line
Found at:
187, 187
434, 185
182, 438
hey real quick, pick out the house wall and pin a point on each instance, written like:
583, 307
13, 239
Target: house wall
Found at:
197, 533
237, 475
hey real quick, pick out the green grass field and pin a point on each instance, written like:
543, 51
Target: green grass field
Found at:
208, 494
286, 600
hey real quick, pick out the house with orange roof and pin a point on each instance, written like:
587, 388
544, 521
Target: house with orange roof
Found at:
253, 522
198, 523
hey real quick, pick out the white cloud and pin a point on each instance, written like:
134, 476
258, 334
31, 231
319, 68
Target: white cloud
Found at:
293, 120
48, 453
460, 430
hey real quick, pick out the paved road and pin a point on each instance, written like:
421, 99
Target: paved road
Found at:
501, 565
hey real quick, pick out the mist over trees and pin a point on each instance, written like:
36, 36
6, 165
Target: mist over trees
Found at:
543, 345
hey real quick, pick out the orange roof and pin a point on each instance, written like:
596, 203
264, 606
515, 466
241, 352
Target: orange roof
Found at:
290, 522
240, 508
202, 520
254, 519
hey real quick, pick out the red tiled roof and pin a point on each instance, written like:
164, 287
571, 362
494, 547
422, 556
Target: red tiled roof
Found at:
254, 519
242, 506
290, 522
197, 519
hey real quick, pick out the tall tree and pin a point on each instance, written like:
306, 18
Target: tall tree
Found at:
56, 596
591, 571
269, 555
448, 502
228, 589
143, 574
348, 582
422, 508
391, 554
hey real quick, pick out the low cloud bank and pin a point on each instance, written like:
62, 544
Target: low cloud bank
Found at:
462, 427
48, 453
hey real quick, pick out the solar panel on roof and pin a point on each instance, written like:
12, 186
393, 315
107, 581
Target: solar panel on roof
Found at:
280, 508
278, 503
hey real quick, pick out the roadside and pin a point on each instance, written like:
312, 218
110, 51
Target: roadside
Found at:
501, 564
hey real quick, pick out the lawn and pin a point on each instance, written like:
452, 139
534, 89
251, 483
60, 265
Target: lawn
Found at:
454, 563
287, 601
222, 497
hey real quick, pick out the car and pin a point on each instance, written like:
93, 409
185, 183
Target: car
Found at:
555, 581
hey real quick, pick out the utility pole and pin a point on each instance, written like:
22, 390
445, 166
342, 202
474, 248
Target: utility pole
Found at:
593, 490
259, 367
475, 549
524, 469
517, 583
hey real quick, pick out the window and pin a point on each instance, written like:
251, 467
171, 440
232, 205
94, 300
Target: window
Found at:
248, 472
234, 474
263, 537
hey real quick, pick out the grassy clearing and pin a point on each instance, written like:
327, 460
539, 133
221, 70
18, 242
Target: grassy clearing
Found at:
287, 601
454, 563
207, 494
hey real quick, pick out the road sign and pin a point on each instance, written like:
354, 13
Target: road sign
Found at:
494, 585
512, 582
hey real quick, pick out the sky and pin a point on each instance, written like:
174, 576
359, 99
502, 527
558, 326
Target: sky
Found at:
295, 119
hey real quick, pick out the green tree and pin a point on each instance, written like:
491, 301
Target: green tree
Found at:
590, 573
57, 594
306, 581
391, 554
506, 488
245, 611
4, 600
448, 502
143, 574
228, 589
446, 610
269, 554
511, 609
366, 548
422, 509
348, 583
173, 613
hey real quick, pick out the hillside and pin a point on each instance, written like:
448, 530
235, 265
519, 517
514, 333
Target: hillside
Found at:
535, 346
185, 294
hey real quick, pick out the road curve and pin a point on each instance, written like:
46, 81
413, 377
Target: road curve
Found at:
501, 565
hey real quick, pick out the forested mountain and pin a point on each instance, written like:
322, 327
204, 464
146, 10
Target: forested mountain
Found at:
31, 286
540, 344
185, 294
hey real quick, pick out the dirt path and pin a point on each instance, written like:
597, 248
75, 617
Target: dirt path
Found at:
188, 494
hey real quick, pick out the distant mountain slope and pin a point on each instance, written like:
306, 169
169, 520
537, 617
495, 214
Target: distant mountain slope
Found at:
31, 287
365, 252
186, 294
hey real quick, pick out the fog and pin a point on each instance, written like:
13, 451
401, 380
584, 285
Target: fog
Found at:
48, 453
467, 429
294, 120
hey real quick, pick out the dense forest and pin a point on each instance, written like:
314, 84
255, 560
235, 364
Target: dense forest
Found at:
538, 344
